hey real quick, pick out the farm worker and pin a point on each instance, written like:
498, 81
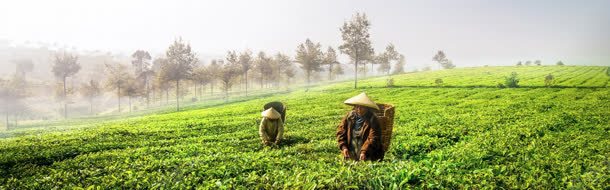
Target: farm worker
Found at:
272, 127
359, 134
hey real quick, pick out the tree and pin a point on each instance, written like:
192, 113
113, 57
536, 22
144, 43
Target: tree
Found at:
132, 89
90, 91
519, 63
116, 79
330, 59
245, 61
11, 99
528, 63
399, 67
201, 77
65, 65
232, 57
141, 61
282, 64
538, 62
442, 60
338, 70
227, 76
263, 66
449, 65
386, 58
143, 71
213, 69
384, 62
180, 62
560, 63
309, 57
356, 42
158, 81
22, 67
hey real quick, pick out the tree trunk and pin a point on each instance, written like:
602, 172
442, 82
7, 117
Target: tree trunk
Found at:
129, 97
167, 96
227, 95
246, 78
177, 95
200, 91
7, 124
65, 100
212, 88
279, 76
330, 71
118, 94
147, 93
153, 94
356, 74
308, 75
364, 72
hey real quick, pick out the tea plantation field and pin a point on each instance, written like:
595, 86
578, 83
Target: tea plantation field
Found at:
466, 133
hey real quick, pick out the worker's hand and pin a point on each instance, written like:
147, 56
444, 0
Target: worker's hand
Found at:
362, 157
345, 153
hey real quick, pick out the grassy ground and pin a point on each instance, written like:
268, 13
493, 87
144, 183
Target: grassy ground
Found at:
464, 134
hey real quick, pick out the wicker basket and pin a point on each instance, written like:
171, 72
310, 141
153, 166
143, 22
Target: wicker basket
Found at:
385, 115
279, 107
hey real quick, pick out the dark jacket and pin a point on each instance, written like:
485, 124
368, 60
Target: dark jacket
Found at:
371, 147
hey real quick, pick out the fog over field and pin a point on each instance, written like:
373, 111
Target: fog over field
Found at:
473, 32
304, 94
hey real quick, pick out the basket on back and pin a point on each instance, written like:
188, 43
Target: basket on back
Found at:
277, 106
385, 115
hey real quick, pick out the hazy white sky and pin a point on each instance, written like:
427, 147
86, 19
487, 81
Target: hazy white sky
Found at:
470, 32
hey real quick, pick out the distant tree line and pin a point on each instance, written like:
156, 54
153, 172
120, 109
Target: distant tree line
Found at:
537, 63
179, 72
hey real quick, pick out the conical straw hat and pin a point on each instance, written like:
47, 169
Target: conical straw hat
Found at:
271, 114
362, 100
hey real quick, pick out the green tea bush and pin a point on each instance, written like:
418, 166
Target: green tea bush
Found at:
549, 80
512, 81
390, 82
462, 137
438, 81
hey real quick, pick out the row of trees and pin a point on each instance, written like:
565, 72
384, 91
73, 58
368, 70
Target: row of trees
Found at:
179, 69
537, 63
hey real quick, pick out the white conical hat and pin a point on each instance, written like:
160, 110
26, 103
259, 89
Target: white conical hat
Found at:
362, 100
271, 114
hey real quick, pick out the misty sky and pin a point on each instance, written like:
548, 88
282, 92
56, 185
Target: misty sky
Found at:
470, 32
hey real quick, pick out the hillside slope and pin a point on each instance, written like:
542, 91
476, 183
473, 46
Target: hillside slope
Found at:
465, 134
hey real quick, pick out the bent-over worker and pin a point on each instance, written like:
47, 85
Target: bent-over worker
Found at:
272, 127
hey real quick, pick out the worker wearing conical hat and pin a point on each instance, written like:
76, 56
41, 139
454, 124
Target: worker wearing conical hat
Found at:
359, 134
272, 127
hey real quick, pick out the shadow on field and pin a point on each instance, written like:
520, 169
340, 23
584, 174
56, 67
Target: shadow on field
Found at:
292, 140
